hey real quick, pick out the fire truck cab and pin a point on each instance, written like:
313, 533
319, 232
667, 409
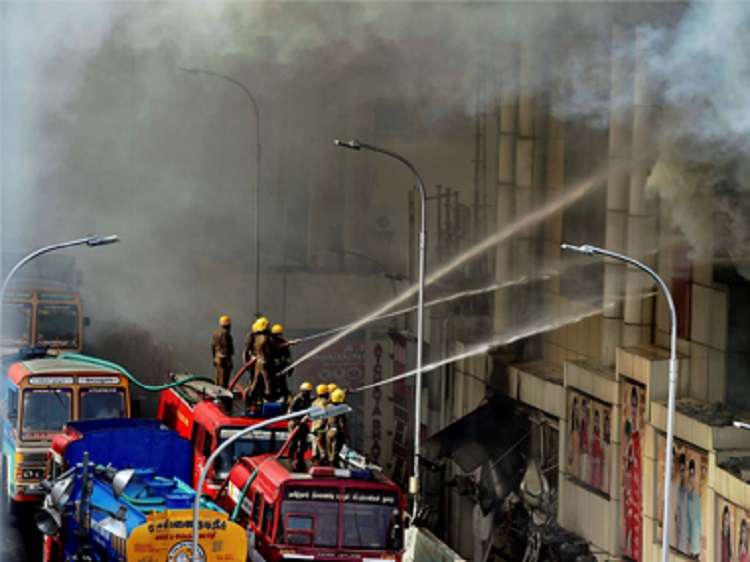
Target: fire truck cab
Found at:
324, 514
198, 411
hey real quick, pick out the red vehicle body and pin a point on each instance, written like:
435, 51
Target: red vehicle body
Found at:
324, 514
198, 412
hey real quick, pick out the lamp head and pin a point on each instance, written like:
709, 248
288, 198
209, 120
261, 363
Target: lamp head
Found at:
352, 144
188, 70
329, 412
97, 240
586, 249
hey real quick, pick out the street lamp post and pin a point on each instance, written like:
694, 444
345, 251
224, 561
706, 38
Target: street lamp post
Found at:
358, 145
673, 375
315, 412
256, 109
91, 241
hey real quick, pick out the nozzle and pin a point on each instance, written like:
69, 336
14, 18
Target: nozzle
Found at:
353, 144
102, 240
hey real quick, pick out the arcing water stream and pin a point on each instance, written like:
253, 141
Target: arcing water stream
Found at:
523, 223
501, 339
442, 300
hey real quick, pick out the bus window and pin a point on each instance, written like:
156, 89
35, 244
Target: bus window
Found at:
57, 324
323, 512
11, 404
16, 324
100, 403
370, 517
44, 412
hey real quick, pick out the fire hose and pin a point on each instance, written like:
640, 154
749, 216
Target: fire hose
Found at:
108, 364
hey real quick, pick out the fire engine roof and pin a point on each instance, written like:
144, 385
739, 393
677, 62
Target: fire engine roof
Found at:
276, 472
54, 366
212, 417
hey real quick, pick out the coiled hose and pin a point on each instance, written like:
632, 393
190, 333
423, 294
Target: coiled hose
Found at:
148, 387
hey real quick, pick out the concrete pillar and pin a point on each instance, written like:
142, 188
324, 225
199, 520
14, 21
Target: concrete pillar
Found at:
506, 173
641, 231
617, 194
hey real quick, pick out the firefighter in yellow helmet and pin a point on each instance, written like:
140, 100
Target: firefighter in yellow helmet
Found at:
319, 426
260, 388
298, 443
336, 434
222, 350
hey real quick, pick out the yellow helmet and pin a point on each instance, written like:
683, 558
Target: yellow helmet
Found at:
332, 386
277, 329
338, 396
321, 389
260, 325
306, 386
225, 320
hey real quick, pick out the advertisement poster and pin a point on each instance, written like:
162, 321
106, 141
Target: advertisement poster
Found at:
588, 455
732, 529
632, 427
688, 497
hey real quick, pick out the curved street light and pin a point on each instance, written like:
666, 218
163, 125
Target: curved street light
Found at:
358, 145
590, 250
91, 241
315, 412
256, 109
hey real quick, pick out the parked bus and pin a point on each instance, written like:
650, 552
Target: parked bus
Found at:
199, 411
39, 396
324, 514
48, 317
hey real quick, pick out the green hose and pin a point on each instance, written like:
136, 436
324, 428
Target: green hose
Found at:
149, 387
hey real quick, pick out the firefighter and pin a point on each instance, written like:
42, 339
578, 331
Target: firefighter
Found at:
281, 359
319, 426
336, 431
261, 385
298, 444
222, 350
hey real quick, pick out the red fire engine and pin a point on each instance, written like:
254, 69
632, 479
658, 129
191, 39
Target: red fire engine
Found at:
201, 412
327, 513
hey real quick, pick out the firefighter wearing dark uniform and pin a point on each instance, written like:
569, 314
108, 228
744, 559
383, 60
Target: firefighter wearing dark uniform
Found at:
298, 444
336, 430
261, 386
281, 359
319, 426
222, 350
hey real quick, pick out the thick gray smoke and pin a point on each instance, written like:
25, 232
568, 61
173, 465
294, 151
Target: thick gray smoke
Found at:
702, 68
105, 134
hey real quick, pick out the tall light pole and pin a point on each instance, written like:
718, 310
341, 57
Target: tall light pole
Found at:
91, 241
316, 412
673, 375
256, 109
358, 145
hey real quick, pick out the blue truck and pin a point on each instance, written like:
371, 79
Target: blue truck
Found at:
117, 492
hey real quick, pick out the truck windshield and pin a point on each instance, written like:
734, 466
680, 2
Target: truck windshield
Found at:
310, 517
44, 412
16, 324
100, 403
372, 520
57, 325
256, 443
